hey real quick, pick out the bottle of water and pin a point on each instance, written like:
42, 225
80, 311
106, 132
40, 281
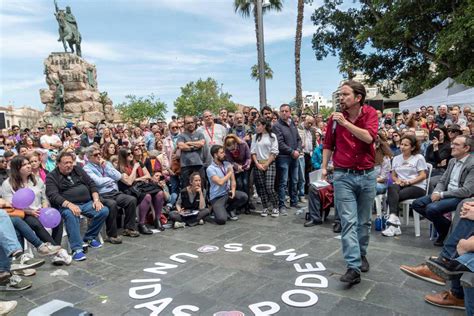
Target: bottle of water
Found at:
378, 223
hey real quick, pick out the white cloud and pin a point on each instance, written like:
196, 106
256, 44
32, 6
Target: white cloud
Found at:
21, 84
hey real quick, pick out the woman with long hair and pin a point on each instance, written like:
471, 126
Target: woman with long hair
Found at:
395, 145
409, 181
137, 135
109, 149
132, 172
438, 152
37, 168
21, 177
66, 139
191, 207
237, 152
264, 150
138, 151
383, 156
107, 137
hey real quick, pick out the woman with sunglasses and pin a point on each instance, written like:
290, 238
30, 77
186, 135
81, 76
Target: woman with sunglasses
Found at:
21, 176
140, 155
395, 144
132, 172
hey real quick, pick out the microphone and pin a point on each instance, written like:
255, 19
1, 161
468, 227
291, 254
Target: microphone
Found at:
334, 122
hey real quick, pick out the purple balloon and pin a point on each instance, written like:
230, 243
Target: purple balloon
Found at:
23, 198
49, 217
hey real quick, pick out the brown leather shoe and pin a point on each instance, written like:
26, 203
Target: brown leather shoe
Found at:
445, 299
424, 273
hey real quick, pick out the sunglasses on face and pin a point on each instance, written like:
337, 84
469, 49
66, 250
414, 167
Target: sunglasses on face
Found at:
129, 153
174, 127
97, 154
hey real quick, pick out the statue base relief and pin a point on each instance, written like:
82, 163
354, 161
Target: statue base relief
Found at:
80, 96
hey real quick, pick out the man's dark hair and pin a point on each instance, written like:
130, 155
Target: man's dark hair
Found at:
266, 108
49, 124
215, 149
358, 89
283, 105
8, 154
13, 126
64, 153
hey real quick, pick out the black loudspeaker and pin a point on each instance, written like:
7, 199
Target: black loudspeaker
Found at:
2, 121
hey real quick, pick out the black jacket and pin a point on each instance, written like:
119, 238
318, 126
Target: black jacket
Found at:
288, 137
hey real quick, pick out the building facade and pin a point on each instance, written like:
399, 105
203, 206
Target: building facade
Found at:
25, 117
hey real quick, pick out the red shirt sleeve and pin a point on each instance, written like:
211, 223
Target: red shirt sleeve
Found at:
329, 142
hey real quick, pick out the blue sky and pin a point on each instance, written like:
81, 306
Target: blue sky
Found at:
157, 46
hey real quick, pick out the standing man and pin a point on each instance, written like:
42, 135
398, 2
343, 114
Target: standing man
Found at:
267, 113
308, 141
191, 144
214, 134
289, 145
350, 138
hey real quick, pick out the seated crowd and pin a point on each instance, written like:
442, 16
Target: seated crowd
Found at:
193, 170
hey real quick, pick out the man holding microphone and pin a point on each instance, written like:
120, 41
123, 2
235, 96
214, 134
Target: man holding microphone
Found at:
350, 138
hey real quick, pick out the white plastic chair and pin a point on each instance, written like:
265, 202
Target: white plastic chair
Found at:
379, 199
406, 206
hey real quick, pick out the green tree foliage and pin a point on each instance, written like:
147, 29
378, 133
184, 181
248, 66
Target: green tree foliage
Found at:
254, 72
415, 43
202, 95
137, 109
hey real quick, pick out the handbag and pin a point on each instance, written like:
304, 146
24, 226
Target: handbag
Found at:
13, 212
140, 189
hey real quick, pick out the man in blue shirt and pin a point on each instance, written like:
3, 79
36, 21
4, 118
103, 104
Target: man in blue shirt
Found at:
223, 194
105, 176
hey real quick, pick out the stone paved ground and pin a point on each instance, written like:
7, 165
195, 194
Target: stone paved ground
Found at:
223, 280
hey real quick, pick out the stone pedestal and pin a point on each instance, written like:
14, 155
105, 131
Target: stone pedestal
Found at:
82, 99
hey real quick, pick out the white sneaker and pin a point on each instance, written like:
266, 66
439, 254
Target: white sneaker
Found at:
25, 261
264, 212
392, 231
179, 225
62, 258
46, 249
201, 222
394, 220
7, 306
25, 273
276, 213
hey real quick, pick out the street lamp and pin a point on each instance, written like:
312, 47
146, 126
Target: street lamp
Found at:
261, 52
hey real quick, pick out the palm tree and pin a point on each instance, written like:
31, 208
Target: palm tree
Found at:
254, 72
245, 7
299, 35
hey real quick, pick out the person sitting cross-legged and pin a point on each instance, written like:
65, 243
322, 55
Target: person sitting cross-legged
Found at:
191, 199
73, 193
223, 194
456, 184
105, 177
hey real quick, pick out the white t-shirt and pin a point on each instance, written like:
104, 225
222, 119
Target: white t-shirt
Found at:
46, 139
214, 135
409, 169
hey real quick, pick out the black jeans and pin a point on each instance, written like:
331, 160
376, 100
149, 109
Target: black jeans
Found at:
223, 204
396, 194
113, 200
174, 216
42, 233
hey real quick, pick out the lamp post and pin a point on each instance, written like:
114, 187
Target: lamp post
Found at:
261, 55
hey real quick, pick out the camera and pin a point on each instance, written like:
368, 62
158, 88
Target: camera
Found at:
162, 178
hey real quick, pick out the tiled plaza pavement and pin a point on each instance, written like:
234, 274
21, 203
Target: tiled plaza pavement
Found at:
220, 281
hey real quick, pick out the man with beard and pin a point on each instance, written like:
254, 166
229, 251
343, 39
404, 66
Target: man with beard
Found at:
350, 138
222, 193
267, 113
192, 146
240, 129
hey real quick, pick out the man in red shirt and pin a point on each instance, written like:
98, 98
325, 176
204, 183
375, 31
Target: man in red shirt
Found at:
350, 138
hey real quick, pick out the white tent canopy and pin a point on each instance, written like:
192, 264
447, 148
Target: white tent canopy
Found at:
461, 98
437, 95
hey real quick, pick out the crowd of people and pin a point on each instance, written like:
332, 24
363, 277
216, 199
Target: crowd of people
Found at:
214, 168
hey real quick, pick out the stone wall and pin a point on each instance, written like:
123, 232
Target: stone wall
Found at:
82, 101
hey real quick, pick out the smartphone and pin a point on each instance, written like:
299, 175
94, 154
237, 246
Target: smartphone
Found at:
434, 134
